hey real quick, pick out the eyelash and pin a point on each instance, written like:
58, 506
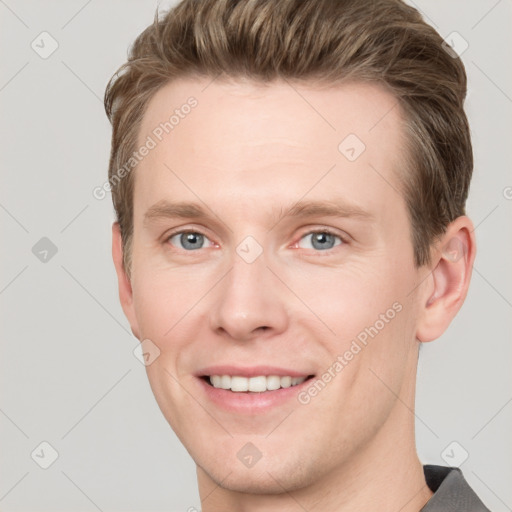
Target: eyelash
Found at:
327, 231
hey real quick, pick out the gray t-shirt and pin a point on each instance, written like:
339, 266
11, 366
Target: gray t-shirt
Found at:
451, 491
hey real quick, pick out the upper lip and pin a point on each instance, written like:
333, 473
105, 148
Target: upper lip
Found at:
250, 371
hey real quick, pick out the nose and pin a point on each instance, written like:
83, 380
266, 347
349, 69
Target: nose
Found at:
249, 302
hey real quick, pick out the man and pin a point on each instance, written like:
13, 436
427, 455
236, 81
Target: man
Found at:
289, 180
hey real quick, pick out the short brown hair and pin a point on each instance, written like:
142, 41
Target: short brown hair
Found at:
377, 41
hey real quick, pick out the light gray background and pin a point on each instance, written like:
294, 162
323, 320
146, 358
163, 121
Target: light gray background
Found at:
68, 374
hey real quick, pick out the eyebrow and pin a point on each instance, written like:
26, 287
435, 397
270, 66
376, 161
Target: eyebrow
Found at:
329, 208
180, 210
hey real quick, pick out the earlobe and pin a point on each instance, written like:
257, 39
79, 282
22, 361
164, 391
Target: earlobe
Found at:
124, 283
449, 280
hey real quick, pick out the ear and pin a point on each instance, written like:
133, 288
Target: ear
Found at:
447, 285
124, 284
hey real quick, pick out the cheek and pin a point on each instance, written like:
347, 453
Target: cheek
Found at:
154, 308
370, 319
348, 300
161, 303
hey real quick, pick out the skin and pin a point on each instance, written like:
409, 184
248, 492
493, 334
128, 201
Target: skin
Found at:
247, 153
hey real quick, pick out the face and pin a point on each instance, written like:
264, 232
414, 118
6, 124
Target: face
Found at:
272, 247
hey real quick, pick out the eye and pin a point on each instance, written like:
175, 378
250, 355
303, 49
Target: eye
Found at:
320, 240
189, 240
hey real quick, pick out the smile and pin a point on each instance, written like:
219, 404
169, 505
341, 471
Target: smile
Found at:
257, 384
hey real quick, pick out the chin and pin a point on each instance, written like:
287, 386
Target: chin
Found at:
262, 481
270, 475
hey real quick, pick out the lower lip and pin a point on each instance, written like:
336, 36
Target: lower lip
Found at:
250, 402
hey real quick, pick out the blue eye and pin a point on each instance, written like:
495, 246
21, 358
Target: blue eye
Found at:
189, 240
320, 240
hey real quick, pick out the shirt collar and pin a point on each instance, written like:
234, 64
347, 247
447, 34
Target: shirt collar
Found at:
451, 491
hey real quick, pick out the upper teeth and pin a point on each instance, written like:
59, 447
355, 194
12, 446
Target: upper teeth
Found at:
257, 384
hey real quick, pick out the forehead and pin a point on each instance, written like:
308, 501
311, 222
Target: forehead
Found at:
242, 110
247, 139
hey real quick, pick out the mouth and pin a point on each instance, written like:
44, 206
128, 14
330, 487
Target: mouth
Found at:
256, 384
